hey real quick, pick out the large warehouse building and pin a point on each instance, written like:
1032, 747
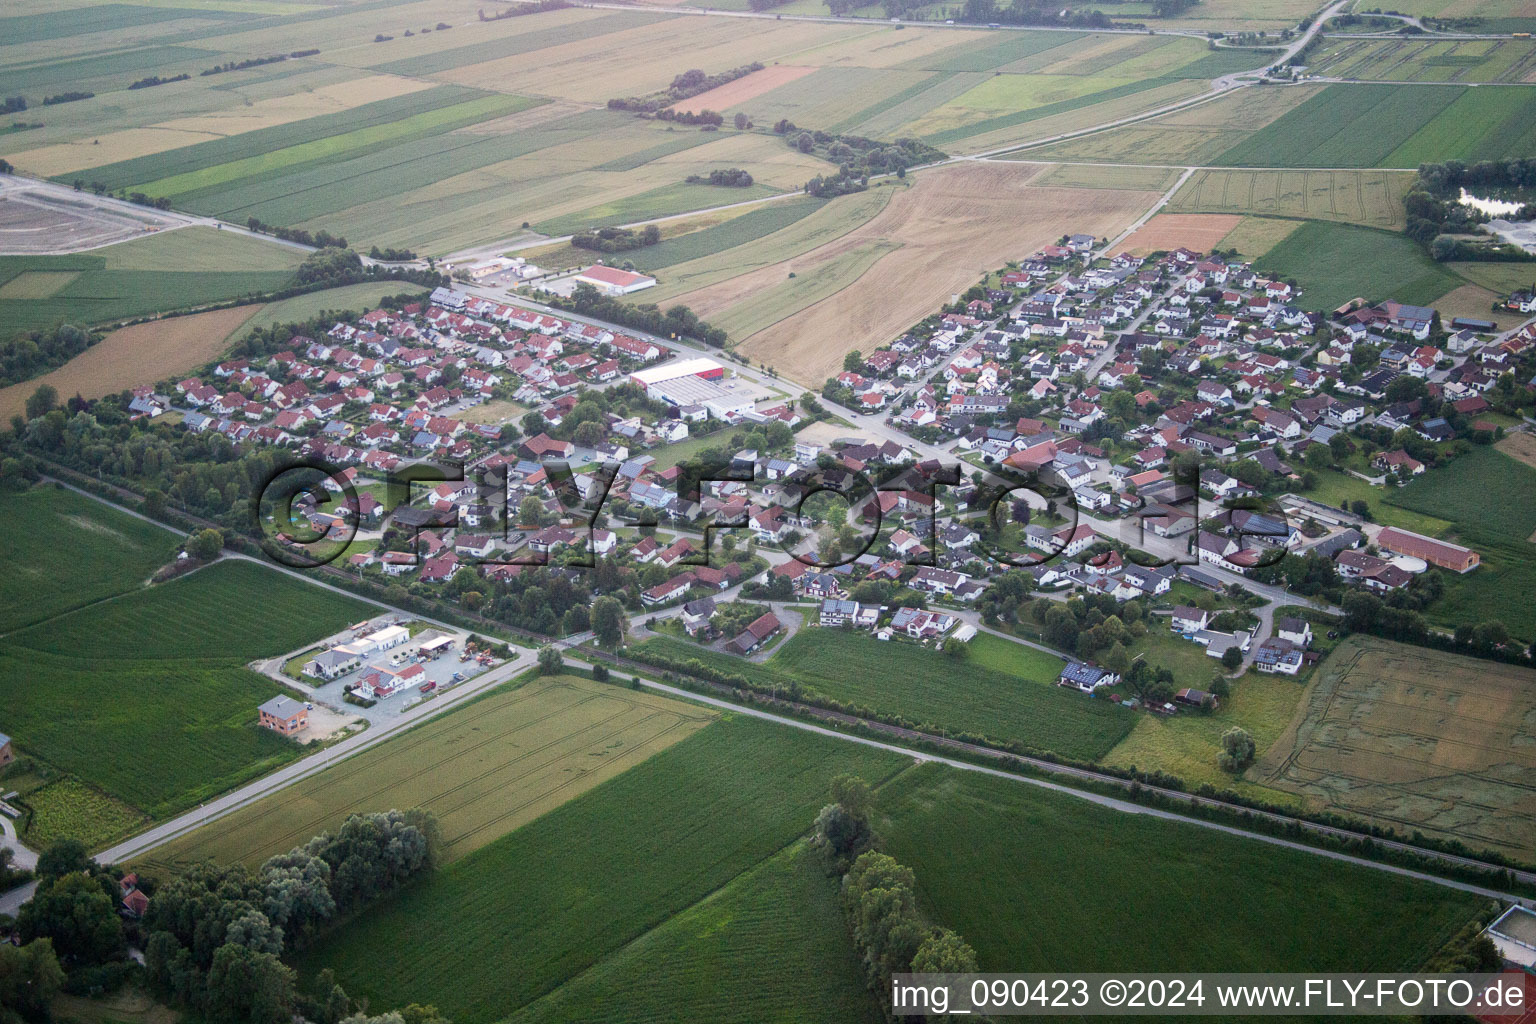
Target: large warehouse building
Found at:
613, 281
694, 382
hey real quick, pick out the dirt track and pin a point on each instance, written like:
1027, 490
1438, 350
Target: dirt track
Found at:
954, 225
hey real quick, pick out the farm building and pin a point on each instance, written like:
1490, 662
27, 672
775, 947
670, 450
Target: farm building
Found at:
612, 281
1435, 552
758, 631
7, 755
284, 715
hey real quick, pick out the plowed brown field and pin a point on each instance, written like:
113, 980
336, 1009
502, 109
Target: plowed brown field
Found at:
951, 227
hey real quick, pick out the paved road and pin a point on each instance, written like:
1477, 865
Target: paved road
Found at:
21, 856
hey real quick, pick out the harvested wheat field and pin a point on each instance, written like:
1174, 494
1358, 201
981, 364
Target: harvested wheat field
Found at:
941, 235
744, 89
1519, 446
1198, 231
1416, 739
140, 354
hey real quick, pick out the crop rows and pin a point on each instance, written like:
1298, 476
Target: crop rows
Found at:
347, 145
548, 901
214, 152
1254, 907
290, 198
107, 553
235, 610
739, 230
1343, 126
523, 42
777, 933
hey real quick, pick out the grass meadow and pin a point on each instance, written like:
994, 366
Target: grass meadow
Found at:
1005, 691
555, 898
1490, 498
1204, 901
1334, 263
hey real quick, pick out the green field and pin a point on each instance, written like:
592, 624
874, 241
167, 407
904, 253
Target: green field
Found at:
740, 230
1139, 890
1005, 691
767, 307
145, 276
559, 896
1488, 495
483, 769
64, 551
831, 220
1394, 126
771, 945
146, 695
1491, 500
1334, 263
232, 149
1426, 60
336, 147
666, 200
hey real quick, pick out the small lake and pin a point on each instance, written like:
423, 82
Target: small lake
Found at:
1492, 207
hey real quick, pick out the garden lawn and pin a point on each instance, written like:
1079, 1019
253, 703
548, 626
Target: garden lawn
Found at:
1334, 263
1338, 488
553, 899
1093, 889
63, 551
1186, 744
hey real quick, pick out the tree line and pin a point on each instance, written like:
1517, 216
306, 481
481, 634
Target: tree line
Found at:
733, 177
213, 937
684, 86
677, 321
520, 9
879, 896
616, 239
28, 353
319, 239
154, 80
66, 97
255, 62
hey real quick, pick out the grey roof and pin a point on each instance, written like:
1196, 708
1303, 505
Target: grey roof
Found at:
281, 707
4, 739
